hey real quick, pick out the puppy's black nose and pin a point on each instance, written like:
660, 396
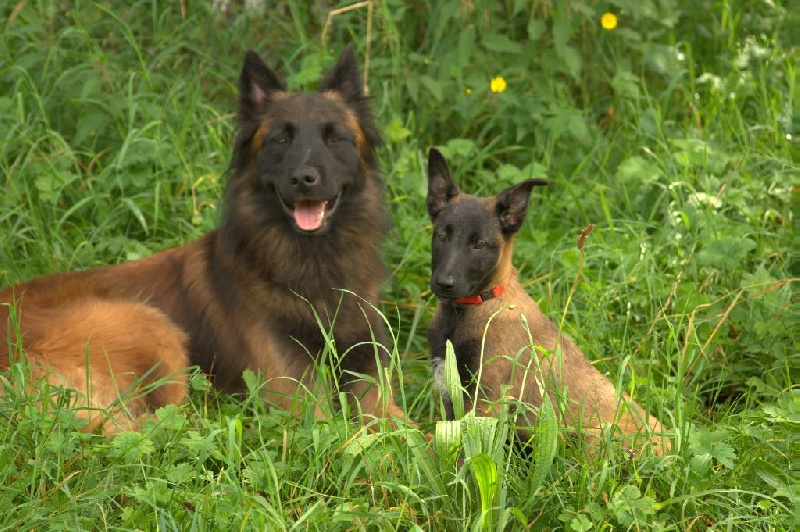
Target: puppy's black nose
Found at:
445, 285
305, 176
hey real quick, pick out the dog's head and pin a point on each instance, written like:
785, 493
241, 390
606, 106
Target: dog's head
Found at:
304, 154
472, 236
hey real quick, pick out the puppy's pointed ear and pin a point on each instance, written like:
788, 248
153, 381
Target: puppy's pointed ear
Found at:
512, 204
345, 77
441, 187
257, 84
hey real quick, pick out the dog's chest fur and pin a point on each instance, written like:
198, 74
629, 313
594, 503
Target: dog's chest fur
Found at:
501, 351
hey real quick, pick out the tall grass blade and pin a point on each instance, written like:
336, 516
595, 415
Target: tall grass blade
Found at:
484, 470
546, 444
453, 380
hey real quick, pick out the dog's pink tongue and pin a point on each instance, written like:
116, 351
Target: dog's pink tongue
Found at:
308, 215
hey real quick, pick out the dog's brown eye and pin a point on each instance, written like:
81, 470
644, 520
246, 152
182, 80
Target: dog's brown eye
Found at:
480, 244
334, 138
281, 140
441, 237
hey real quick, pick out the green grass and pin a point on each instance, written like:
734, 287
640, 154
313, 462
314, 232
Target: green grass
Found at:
115, 131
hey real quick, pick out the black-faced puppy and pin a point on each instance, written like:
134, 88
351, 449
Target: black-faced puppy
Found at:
476, 283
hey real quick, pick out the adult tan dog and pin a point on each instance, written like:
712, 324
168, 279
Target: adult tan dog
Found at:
271, 290
480, 310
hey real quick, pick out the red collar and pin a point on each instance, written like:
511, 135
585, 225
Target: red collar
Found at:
477, 299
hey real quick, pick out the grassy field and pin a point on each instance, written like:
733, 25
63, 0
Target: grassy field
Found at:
674, 128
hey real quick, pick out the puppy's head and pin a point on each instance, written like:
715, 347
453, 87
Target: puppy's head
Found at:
472, 236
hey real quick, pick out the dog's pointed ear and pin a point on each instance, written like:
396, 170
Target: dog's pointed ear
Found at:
345, 77
512, 204
441, 187
257, 84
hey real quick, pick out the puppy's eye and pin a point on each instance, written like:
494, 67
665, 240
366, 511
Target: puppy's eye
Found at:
281, 140
480, 244
441, 237
334, 138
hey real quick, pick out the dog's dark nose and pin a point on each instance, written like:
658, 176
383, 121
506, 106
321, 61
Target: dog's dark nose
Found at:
305, 176
445, 285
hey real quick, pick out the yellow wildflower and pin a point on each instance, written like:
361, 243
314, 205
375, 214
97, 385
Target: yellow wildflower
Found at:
468, 90
498, 84
609, 21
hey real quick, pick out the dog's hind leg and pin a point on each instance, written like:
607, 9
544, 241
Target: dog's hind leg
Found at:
124, 359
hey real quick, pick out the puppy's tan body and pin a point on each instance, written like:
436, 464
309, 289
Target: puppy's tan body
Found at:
500, 336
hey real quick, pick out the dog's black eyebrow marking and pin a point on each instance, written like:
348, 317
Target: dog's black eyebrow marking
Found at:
280, 128
337, 127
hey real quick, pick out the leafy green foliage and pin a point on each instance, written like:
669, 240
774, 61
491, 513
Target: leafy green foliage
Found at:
675, 133
708, 449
